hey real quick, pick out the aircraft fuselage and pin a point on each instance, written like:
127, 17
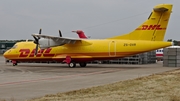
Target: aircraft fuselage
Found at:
83, 52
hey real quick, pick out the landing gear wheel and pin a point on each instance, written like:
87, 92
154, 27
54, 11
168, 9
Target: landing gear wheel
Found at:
14, 64
83, 64
72, 64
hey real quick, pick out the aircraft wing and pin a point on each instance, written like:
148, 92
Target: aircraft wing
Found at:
58, 41
71, 40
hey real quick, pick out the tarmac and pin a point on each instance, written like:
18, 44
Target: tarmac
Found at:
32, 80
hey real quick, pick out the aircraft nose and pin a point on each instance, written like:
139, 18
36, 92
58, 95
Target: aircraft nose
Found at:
6, 53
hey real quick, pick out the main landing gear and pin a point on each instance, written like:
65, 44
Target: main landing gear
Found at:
72, 63
83, 64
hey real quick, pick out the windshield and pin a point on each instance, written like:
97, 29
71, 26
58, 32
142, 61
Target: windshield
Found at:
15, 46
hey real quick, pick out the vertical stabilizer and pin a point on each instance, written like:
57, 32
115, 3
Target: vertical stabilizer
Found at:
154, 28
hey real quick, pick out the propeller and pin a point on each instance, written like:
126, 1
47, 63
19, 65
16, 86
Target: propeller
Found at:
60, 33
36, 41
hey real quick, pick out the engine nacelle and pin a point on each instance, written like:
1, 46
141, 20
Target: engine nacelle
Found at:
46, 43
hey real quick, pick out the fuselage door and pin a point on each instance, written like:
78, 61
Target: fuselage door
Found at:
112, 48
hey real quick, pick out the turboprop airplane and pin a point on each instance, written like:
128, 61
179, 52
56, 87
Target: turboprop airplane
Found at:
147, 37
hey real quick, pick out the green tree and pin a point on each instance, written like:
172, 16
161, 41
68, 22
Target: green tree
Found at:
169, 40
175, 43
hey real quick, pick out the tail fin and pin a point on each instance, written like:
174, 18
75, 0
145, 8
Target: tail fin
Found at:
154, 28
80, 34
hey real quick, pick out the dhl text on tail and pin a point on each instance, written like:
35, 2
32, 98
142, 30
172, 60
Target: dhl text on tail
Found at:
147, 37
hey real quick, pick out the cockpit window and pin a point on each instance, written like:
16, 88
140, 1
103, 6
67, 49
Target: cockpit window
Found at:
14, 47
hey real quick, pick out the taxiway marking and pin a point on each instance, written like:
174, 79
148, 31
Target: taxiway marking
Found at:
57, 77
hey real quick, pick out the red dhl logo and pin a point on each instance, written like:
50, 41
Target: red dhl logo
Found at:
41, 52
151, 27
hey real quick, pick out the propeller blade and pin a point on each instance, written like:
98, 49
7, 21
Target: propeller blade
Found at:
36, 49
36, 41
35, 38
60, 33
40, 31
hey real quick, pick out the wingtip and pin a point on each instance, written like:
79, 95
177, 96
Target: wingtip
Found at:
34, 34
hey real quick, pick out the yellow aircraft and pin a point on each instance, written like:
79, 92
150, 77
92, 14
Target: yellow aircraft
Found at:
147, 37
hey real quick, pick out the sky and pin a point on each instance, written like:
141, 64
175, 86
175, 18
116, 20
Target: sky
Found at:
97, 18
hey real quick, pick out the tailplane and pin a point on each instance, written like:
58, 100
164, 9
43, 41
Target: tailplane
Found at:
80, 34
154, 28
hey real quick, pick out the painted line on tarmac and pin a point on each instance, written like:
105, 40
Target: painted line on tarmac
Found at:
57, 77
1, 71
